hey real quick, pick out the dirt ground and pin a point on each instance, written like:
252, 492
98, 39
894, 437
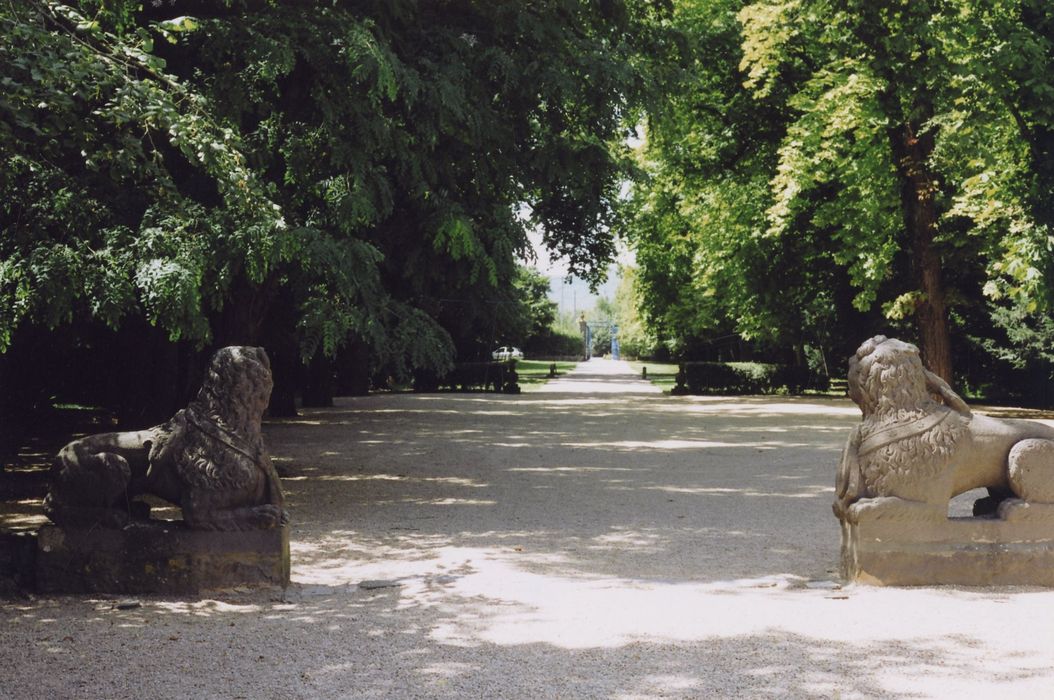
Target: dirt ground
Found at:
594, 539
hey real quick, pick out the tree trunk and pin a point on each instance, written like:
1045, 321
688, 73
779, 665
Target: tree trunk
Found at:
931, 313
917, 188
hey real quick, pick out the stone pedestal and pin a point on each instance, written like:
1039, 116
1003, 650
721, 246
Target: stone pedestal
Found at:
1014, 548
156, 557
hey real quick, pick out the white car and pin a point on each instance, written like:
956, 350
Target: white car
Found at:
507, 352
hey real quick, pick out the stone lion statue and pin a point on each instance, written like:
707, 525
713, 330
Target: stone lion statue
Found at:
209, 458
919, 445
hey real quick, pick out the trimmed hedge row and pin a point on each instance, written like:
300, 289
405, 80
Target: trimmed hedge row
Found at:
553, 343
472, 376
743, 378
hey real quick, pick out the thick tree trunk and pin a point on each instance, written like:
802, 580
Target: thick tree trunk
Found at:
931, 314
917, 189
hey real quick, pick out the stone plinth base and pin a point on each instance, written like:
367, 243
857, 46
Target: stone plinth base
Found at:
1015, 548
160, 558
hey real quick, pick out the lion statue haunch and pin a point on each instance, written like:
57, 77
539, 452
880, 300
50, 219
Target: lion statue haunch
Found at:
913, 453
209, 458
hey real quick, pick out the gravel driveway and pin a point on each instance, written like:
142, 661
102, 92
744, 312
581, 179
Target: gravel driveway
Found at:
595, 539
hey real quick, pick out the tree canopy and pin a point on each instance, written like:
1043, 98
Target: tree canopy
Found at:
363, 172
830, 168
361, 175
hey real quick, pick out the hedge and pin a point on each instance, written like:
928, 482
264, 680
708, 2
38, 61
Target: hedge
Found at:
472, 376
742, 378
553, 344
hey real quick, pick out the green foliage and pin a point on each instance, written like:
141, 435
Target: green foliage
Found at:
538, 312
785, 176
422, 130
367, 160
739, 378
698, 222
634, 339
500, 377
601, 337
554, 343
95, 218
1029, 341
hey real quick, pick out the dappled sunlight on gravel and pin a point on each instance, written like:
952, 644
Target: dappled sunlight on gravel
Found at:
590, 544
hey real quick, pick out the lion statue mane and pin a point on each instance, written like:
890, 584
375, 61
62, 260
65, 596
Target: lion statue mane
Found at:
209, 459
919, 444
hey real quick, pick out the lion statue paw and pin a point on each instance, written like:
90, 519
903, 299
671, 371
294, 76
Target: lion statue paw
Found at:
1031, 464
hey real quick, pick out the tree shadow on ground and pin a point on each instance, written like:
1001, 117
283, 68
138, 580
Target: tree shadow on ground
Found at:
696, 489
548, 546
411, 642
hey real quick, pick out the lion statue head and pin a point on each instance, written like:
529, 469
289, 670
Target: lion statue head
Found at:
236, 389
912, 424
222, 448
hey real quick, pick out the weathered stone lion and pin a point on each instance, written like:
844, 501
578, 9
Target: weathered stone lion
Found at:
913, 453
209, 458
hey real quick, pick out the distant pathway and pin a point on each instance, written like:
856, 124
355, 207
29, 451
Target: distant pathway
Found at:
600, 376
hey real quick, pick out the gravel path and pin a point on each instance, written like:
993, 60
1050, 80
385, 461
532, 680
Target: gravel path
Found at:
595, 539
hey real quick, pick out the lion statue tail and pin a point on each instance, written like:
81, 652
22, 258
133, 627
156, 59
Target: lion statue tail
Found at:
938, 386
849, 483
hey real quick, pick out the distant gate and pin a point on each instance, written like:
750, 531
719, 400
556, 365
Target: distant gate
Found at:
587, 328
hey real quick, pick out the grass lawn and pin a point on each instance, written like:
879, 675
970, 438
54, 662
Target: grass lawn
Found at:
661, 374
534, 373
